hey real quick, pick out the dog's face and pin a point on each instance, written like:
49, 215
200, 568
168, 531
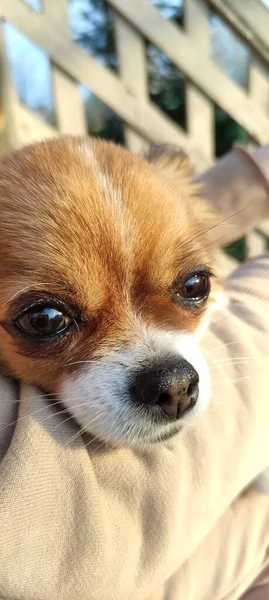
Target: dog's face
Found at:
104, 279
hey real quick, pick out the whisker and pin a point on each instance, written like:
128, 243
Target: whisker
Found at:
84, 428
24, 289
230, 364
65, 410
79, 362
45, 396
93, 440
232, 360
224, 345
60, 412
206, 246
100, 446
206, 230
233, 380
34, 413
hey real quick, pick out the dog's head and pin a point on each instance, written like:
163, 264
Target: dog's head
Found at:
104, 277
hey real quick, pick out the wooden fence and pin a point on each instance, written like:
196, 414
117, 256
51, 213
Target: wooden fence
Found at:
127, 93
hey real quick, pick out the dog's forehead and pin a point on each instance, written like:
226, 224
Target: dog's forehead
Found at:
85, 209
66, 177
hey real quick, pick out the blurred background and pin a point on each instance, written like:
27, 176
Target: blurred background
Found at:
193, 72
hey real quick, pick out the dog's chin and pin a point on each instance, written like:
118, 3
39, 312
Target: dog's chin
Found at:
132, 426
135, 431
152, 429
157, 436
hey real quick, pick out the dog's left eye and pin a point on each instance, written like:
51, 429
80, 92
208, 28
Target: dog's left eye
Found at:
43, 322
194, 289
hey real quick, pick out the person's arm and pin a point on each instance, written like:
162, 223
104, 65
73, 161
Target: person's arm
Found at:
238, 187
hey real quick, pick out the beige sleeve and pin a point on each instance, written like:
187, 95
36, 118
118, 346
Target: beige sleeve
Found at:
237, 186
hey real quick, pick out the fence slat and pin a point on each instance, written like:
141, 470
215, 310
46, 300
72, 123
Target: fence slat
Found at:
255, 14
199, 68
263, 227
146, 118
200, 111
133, 71
259, 84
255, 244
21, 125
68, 103
249, 19
57, 11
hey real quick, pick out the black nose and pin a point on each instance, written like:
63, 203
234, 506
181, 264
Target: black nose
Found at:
171, 385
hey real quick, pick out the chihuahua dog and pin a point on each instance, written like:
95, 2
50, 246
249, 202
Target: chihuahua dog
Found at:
105, 280
106, 262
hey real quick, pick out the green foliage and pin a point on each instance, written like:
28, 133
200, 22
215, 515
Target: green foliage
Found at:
227, 132
93, 29
237, 249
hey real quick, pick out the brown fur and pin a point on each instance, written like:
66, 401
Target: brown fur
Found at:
106, 232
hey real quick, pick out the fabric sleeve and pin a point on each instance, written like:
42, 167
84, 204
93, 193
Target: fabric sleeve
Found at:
237, 187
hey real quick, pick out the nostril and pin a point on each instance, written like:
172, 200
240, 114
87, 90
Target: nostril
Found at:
164, 399
192, 388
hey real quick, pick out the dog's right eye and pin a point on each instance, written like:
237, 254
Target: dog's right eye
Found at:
43, 322
194, 289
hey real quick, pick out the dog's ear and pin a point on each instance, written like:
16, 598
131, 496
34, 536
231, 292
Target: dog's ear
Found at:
174, 167
172, 163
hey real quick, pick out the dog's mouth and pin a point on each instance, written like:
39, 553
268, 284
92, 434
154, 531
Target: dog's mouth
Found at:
141, 396
132, 423
164, 412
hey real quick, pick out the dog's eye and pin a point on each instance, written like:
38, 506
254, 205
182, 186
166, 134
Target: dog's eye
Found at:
194, 289
43, 322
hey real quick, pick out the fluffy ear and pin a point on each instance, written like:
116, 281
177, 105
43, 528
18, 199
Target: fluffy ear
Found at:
174, 166
172, 163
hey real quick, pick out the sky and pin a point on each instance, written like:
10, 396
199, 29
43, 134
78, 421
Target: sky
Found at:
31, 67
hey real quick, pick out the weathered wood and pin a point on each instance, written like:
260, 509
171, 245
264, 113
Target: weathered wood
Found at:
263, 227
200, 111
8, 99
259, 84
57, 12
28, 127
68, 104
133, 71
199, 68
250, 19
256, 244
144, 117
21, 125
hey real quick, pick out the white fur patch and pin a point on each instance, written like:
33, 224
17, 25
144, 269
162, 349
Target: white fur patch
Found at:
113, 196
98, 396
